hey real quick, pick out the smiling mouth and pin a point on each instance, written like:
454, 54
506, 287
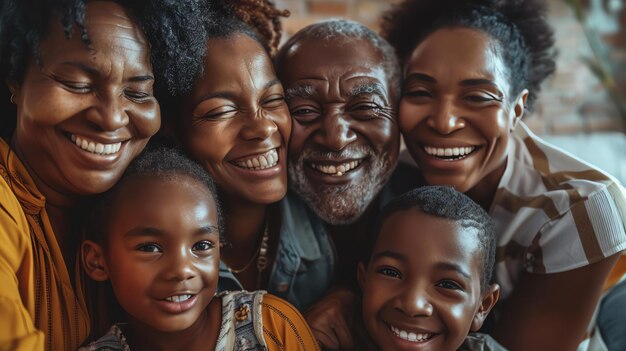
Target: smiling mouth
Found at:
94, 147
258, 162
336, 170
178, 298
410, 336
450, 153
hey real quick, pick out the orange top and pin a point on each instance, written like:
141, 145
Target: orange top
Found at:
284, 328
39, 308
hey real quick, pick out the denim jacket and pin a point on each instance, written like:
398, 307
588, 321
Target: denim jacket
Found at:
305, 259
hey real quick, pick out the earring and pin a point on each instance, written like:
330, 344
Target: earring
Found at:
12, 99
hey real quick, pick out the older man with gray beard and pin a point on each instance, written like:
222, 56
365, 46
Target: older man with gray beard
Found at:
342, 84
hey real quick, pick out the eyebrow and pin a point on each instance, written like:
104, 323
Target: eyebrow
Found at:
466, 82
368, 88
303, 91
232, 96
391, 254
421, 77
94, 72
150, 231
448, 266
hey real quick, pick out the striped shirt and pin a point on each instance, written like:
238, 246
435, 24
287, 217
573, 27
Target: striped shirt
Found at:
553, 212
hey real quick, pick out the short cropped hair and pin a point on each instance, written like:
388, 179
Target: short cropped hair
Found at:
163, 163
445, 202
525, 39
336, 29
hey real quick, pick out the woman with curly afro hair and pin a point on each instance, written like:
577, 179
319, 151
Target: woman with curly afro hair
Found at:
80, 78
471, 71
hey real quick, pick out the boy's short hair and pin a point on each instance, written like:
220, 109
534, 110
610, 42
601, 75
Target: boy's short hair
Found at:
445, 202
163, 163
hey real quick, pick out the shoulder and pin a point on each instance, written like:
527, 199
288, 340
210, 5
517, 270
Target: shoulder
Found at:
480, 342
14, 226
113, 340
284, 327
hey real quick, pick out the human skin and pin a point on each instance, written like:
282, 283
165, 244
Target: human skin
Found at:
344, 143
456, 94
232, 121
421, 287
161, 255
100, 94
344, 113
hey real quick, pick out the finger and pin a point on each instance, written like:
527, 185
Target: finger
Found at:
343, 334
326, 339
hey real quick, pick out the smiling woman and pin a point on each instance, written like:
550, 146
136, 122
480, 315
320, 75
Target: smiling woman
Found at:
81, 78
234, 121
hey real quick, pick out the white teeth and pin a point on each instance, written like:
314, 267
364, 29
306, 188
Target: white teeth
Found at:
410, 336
95, 147
178, 298
336, 171
267, 160
456, 153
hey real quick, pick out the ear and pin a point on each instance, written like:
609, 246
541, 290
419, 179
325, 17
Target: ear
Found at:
93, 261
517, 112
489, 299
360, 274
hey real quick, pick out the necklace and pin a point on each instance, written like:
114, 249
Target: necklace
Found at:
261, 258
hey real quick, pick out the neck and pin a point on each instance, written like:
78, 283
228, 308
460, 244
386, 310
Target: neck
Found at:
201, 335
484, 191
244, 222
352, 242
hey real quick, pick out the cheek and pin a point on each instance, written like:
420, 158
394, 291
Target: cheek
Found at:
209, 144
283, 122
299, 134
408, 117
146, 118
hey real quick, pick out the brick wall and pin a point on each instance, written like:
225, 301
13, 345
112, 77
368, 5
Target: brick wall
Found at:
572, 101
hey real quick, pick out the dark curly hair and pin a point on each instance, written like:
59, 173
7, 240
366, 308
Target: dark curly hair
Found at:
519, 26
174, 30
260, 15
257, 19
445, 202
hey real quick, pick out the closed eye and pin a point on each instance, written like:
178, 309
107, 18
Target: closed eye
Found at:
77, 87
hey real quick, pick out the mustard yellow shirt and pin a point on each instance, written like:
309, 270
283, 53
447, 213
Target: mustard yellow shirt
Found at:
39, 307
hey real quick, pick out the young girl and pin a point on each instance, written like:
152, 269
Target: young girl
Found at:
155, 236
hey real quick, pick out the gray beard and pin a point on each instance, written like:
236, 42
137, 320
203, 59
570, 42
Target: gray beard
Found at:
340, 205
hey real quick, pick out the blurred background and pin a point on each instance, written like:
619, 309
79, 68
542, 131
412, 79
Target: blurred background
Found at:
582, 108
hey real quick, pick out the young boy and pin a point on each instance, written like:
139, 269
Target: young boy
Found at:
155, 236
426, 285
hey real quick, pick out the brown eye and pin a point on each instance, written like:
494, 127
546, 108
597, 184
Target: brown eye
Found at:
203, 245
305, 114
390, 272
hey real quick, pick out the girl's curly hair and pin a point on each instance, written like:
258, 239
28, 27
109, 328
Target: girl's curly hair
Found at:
525, 38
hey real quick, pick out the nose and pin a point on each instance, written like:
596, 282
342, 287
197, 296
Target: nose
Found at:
335, 132
180, 266
258, 126
109, 113
446, 118
414, 302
